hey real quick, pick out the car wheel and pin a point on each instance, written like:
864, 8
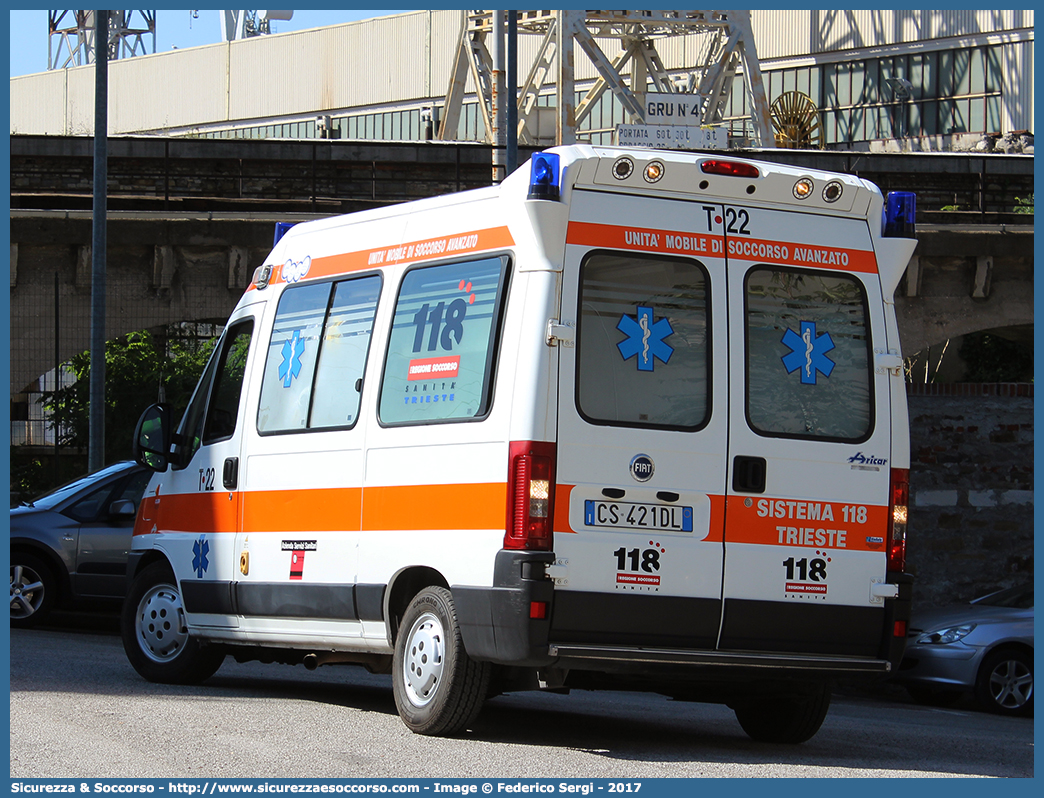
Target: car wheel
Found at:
1005, 683
33, 589
155, 637
438, 688
787, 718
932, 696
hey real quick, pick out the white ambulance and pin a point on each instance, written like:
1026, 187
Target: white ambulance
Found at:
628, 420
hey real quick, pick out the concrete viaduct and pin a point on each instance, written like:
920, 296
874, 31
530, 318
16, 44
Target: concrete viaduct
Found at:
190, 220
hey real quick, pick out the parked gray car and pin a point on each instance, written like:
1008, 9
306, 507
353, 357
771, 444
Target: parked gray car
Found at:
70, 545
985, 647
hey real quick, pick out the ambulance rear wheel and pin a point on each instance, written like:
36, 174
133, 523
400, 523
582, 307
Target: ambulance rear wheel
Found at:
439, 690
786, 718
154, 633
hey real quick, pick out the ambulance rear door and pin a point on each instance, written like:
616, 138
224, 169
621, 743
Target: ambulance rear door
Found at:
809, 436
641, 426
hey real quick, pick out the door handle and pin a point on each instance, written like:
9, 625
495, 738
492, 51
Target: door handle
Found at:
748, 474
230, 473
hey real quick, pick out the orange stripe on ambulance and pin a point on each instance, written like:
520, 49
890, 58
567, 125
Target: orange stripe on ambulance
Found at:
779, 508
810, 536
764, 250
826, 257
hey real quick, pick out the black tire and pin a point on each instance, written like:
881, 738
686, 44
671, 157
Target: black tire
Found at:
1005, 683
34, 589
154, 636
439, 690
933, 696
785, 719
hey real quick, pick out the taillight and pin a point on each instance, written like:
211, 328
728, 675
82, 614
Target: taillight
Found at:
897, 514
531, 495
730, 168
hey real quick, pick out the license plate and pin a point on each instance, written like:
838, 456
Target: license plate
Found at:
633, 515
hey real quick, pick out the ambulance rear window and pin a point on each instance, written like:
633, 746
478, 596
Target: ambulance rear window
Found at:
642, 342
808, 355
439, 365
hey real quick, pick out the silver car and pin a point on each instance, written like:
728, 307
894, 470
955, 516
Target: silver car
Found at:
985, 647
71, 544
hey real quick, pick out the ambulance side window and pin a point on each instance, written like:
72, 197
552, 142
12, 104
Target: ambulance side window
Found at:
342, 356
317, 355
211, 413
808, 355
223, 409
439, 364
642, 343
286, 388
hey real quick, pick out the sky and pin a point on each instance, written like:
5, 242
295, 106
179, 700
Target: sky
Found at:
173, 29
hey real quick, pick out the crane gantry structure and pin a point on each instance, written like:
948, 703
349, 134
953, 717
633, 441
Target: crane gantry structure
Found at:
72, 36
725, 51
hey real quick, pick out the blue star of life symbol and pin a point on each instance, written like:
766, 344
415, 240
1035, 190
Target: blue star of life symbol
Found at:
200, 550
808, 352
645, 338
292, 350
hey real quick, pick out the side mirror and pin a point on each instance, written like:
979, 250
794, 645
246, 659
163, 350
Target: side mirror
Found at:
122, 508
152, 438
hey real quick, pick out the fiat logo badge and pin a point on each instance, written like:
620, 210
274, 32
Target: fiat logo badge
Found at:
642, 467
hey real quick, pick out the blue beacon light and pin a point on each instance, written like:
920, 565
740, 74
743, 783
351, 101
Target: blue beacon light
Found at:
900, 210
281, 229
543, 176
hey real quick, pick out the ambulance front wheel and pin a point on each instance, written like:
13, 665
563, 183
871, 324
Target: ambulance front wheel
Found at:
785, 718
154, 633
439, 689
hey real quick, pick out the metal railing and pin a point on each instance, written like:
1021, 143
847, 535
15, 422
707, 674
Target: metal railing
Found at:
338, 176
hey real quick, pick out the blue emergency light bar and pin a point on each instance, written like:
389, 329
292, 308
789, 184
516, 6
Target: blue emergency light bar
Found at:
543, 176
899, 213
280, 230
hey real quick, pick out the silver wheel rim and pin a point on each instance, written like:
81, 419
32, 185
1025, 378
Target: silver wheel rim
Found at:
424, 660
27, 592
160, 624
1011, 684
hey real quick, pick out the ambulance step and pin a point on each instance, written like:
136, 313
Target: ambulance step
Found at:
666, 656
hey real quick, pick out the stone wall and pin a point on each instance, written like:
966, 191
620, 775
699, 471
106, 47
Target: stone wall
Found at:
971, 489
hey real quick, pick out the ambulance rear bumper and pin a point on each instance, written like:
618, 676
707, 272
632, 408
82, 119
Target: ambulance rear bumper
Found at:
509, 622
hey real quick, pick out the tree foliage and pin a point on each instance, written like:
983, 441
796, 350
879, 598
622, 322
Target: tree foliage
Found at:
139, 370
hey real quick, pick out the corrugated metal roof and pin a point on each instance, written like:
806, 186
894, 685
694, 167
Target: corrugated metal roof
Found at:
38, 103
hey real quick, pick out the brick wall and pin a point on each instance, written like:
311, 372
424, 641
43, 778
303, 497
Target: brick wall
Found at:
971, 489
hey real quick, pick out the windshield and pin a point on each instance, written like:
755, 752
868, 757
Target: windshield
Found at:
59, 495
1020, 598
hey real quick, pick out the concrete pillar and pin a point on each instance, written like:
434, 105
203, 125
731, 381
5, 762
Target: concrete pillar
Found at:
913, 276
983, 275
239, 274
84, 263
162, 266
